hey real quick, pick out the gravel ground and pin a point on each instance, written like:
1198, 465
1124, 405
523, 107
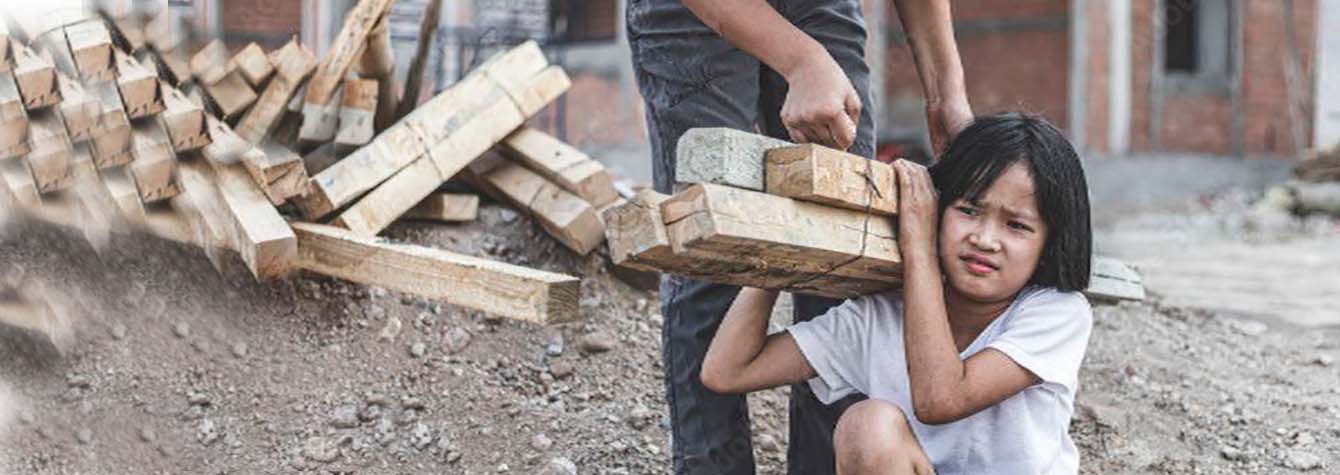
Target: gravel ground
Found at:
177, 368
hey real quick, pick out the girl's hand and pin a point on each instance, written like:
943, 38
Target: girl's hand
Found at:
918, 208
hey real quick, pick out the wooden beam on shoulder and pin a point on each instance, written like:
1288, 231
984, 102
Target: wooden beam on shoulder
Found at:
820, 174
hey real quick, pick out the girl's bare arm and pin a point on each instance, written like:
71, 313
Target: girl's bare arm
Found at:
743, 358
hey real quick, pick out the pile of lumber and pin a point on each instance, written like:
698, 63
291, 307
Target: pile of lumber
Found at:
119, 122
759, 212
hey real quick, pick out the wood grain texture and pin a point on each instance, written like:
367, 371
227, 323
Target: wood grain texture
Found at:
820, 174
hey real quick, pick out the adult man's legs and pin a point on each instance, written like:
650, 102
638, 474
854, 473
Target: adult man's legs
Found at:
691, 77
839, 26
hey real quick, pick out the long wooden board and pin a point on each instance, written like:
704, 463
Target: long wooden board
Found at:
111, 138
565, 216
138, 85
498, 288
79, 110
13, 119
353, 36
50, 157
154, 169
446, 207
562, 164
295, 63
183, 120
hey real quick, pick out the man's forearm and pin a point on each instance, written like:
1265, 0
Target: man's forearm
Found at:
929, 26
757, 28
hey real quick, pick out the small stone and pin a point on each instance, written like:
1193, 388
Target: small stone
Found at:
554, 347
84, 436
391, 330
541, 442
182, 329
207, 433
1323, 360
118, 331
559, 466
412, 403
421, 436
1231, 453
148, 435
457, 340
503, 468
1301, 461
507, 215
562, 369
344, 417
27, 418
417, 350
640, 417
1249, 327
198, 399
768, 443
597, 342
78, 381
240, 350
376, 292
322, 449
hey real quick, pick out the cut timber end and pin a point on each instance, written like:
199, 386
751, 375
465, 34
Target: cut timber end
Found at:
13, 119
51, 157
183, 120
35, 76
635, 230
320, 121
264, 240
253, 64
232, 94
79, 110
445, 207
820, 174
563, 164
210, 64
723, 156
494, 287
566, 217
139, 88
91, 46
357, 112
154, 169
111, 137
279, 171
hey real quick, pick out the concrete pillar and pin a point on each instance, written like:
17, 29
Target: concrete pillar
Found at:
1326, 133
1119, 77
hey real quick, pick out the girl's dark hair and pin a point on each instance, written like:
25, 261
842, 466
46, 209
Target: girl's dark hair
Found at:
984, 150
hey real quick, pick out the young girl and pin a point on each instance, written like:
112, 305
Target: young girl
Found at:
972, 367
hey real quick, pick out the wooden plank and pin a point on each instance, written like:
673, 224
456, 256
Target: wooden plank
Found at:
353, 35
502, 289
638, 240
357, 113
1111, 279
35, 76
212, 227
127, 32
79, 110
91, 46
445, 207
410, 139
97, 214
183, 120
262, 237
13, 119
138, 85
124, 195
378, 62
414, 77
253, 64
279, 172
50, 157
111, 138
295, 63
165, 31
154, 169
783, 232
565, 216
231, 94
22, 188
822, 175
562, 164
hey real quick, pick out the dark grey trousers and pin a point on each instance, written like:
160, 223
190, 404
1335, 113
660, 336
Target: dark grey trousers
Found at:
691, 77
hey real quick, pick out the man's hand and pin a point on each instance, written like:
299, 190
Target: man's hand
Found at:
946, 120
821, 105
918, 212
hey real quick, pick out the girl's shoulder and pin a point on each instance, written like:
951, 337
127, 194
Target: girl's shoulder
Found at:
1036, 295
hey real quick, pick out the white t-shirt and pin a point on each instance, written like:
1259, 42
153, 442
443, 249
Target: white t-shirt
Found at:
858, 347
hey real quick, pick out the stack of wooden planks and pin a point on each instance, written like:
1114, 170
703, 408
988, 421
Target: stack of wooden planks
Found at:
760, 212
136, 133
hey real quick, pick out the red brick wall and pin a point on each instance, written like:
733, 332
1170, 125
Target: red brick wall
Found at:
1142, 58
1198, 123
1025, 67
1267, 119
1096, 103
268, 22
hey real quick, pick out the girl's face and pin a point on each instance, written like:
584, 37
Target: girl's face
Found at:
990, 248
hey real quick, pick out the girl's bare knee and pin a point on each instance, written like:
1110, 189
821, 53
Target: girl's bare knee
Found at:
873, 436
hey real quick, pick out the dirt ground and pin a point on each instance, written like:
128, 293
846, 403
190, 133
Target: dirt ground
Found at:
177, 368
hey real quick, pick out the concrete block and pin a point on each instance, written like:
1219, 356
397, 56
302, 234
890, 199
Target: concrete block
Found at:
723, 156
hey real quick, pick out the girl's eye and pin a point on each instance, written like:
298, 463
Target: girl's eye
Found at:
968, 210
1018, 226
